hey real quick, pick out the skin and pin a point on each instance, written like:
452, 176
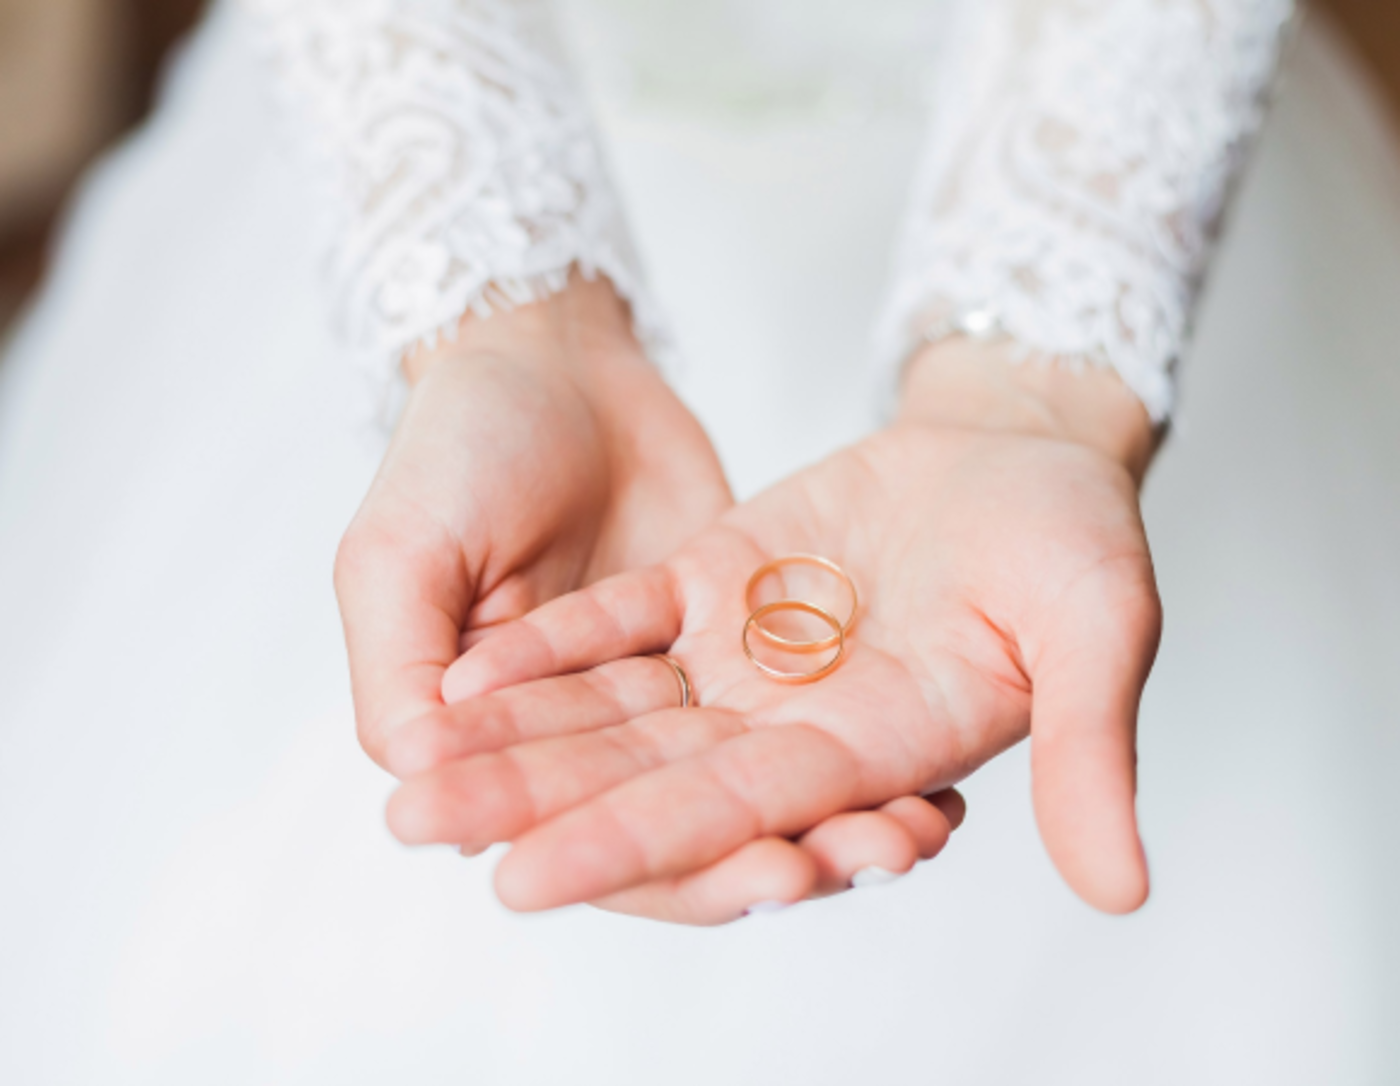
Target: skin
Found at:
540, 452
994, 531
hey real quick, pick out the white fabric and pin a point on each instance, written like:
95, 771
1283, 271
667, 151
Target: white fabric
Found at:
197, 884
1078, 165
460, 158
1077, 172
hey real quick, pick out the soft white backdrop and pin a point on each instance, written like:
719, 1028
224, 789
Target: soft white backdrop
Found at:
196, 883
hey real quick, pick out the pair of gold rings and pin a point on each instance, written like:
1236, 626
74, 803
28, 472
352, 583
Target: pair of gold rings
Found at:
754, 628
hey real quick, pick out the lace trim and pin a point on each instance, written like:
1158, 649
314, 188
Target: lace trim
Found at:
1077, 173
466, 176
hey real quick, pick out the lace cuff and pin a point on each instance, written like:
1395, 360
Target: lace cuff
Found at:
464, 171
1080, 162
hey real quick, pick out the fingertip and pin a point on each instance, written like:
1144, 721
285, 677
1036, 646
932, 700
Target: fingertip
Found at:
773, 870
419, 746
525, 885
465, 678
519, 887
764, 876
1096, 849
460, 803
1118, 889
847, 844
579, 856
626, 615
412, 815
924, 820
952, 804
507, 654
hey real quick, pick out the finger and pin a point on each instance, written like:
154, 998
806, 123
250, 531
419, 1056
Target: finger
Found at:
926, 820
1087, 684
629, 615
762, 876
404, 593
604, 697
773, 782
951, 802
860, 848
497, 797
766, 875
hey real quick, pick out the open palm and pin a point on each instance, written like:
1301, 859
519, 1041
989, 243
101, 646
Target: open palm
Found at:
1007, 588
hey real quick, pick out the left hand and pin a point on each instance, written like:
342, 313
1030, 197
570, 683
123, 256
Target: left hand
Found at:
995, 535
539, 452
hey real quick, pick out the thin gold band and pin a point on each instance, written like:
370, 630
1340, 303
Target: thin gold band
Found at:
682, 679
843, 628
796, 678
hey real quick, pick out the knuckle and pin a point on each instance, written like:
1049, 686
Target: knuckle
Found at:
1125, 591
369, 731
1140, 606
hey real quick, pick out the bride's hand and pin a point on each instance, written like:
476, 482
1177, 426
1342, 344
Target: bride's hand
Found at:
995, 536
538, 452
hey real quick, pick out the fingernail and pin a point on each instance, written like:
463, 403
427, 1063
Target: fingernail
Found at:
767, 908
472, 851
873, 876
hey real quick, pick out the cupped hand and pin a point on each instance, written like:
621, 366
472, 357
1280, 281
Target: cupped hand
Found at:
538, 452
1007, 590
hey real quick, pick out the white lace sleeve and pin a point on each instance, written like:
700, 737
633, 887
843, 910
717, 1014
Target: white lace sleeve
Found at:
462, 162
1081, 158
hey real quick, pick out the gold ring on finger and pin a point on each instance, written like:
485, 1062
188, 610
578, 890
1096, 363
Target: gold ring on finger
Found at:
682, 679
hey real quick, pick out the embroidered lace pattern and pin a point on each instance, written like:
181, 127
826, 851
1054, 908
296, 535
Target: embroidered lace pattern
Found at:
466, 175
1080, 160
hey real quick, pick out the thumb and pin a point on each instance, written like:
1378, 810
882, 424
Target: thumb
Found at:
1086, 686
404, 591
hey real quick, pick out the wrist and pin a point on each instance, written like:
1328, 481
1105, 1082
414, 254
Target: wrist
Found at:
577, 345
975, 385
586, 320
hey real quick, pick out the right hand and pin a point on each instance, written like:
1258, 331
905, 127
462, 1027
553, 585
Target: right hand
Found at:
539, 452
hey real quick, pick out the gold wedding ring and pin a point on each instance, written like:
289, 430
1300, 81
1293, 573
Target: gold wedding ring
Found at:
682, 679
786, 644
796, 678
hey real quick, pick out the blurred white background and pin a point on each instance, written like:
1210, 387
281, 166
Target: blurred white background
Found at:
197, 886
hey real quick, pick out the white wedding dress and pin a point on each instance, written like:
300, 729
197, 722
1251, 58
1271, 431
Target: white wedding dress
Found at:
197, 884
